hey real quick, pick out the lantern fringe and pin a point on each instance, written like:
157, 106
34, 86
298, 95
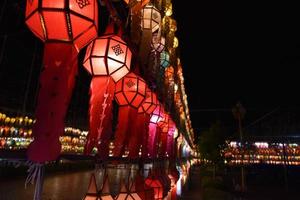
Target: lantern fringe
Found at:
35, 175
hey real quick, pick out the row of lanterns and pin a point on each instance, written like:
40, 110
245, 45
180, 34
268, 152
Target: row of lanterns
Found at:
145, 127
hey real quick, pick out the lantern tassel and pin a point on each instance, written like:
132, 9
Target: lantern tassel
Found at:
36, 174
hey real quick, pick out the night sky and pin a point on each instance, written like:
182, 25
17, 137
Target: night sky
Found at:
247, 51
242, 51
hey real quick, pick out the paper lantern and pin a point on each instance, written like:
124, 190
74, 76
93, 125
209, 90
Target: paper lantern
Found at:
107, 59
169, 74
136, 5
94, 194
73, 21
153, 182
158, 43
108, 55
153, 132
128, 193
151, 18
65, 27
130, 93
164, 59
150, 103
157, 114
139, 133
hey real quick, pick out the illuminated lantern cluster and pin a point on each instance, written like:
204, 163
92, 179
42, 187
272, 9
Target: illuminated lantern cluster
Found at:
74, 21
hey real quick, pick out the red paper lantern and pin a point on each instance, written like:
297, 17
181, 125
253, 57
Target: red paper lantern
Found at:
150, 102
65, 27
139, 133
107, 58
72, 21
130, 91
108, 55
154, 182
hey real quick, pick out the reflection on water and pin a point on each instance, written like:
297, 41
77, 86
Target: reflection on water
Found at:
73, 186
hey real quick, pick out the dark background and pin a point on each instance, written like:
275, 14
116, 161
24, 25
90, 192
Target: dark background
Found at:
246, 51
239, 51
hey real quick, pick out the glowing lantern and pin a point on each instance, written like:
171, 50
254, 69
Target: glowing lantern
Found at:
153, 133
175, 42
108, 55
65, 27
136, 5
130, 93
107, 59
73, 21
150, 23
129, 193
94, 194
164, 59
158, 43
153, 182
140, 124
150, 103
151, 18
169, 10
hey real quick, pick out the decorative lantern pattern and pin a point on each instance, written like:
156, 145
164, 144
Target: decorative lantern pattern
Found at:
130, 93
70, 21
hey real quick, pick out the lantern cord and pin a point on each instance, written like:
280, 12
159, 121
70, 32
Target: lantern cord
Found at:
35, 174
